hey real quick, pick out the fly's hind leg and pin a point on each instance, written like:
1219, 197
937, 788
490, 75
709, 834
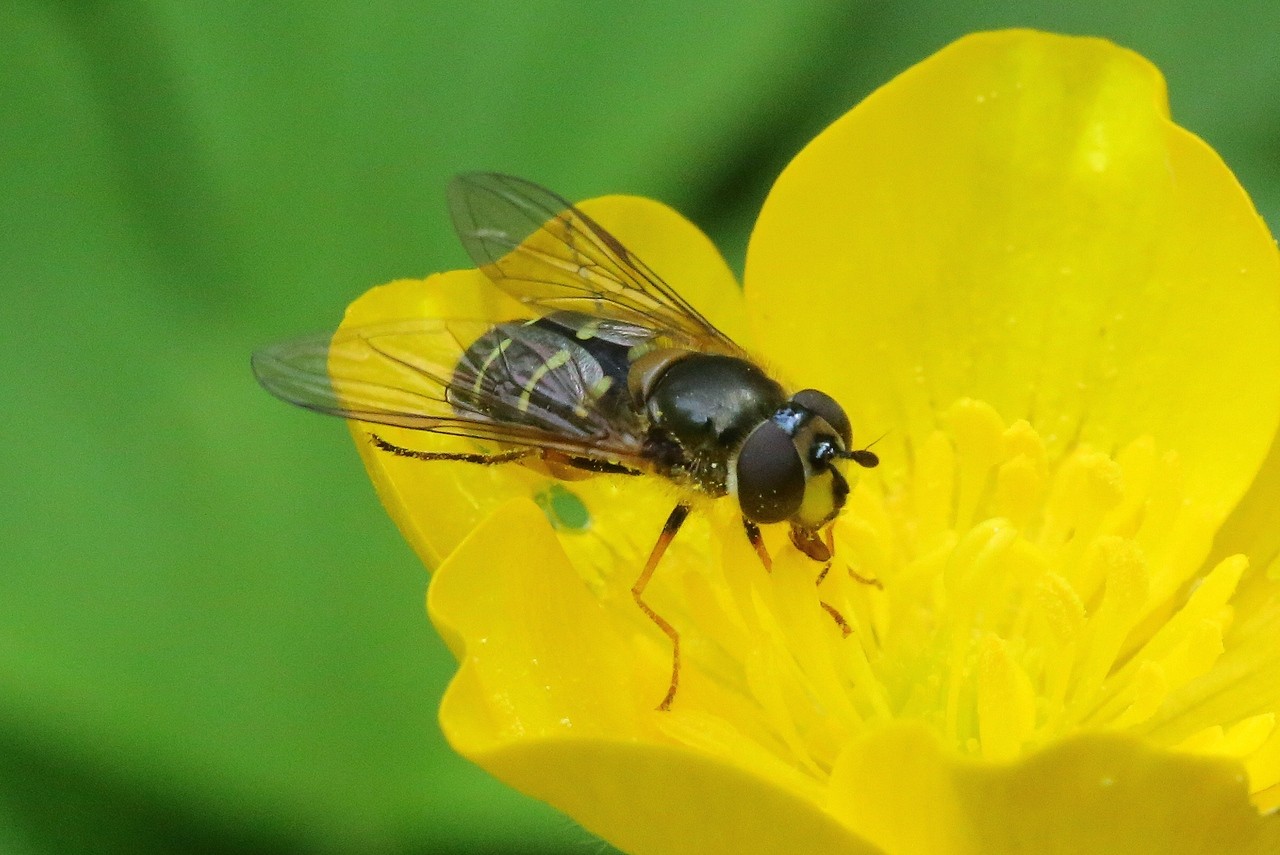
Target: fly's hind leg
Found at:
483, 459
669, 529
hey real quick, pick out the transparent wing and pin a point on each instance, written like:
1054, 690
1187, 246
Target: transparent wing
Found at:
429, 375
546, 253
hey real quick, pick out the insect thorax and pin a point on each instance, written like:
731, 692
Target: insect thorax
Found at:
707, 404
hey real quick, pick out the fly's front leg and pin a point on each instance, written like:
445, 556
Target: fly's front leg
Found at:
853, 574
845, 629
865, 580
669, 529
757, 543
806, 540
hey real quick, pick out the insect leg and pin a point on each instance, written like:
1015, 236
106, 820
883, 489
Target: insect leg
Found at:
603, 467
845, 629
806, 540
853, 574
669, 529
757, 542
485, 459
866, 580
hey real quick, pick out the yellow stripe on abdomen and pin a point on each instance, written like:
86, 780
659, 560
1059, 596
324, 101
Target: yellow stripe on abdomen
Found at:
556, 360
488, 361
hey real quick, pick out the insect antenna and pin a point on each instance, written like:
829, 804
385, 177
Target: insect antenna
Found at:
864, 456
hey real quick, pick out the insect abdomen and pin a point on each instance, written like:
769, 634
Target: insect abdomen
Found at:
537, 373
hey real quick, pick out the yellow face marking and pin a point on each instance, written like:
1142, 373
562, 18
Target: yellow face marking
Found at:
819, 502
556, 360
488, 360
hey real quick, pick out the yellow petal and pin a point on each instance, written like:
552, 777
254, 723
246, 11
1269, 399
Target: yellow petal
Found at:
555, 697
1017, 220
1064, 310
657, 801
1252, 530
511, 594
436, 504
1095, 793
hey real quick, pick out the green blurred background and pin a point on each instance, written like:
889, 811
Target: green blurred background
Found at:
211, 637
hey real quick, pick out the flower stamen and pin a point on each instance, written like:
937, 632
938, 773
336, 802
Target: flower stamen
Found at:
1023, 600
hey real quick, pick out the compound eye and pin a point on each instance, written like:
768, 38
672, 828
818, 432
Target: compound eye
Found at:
825, 407
770, 474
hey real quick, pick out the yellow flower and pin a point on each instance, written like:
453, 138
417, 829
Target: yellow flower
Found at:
1064, 313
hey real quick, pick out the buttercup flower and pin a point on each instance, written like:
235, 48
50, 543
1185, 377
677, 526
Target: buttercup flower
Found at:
1063, 314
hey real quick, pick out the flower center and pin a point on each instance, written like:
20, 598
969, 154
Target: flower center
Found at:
1023, 600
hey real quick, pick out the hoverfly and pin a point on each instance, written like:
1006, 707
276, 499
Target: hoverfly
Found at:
613, 372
